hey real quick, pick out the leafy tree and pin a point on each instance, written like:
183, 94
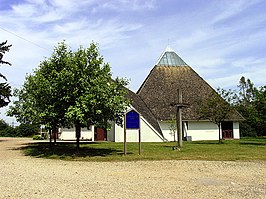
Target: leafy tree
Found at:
250, 105
40, 100
246, 91
92, 96
216, 107
260, 107
71, 89
5, 89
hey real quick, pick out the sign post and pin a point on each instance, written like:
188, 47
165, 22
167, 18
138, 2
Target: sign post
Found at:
125, 136
132, 121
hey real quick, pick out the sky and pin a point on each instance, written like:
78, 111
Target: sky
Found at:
221, 40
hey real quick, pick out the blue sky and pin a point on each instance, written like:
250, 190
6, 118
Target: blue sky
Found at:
221, 40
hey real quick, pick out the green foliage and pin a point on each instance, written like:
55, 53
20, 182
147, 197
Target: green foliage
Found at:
6, 130
260, 106
216, 107
251, 105
3, 49
5, 89
27, 130
246, 91
9, 132
71, 88
37, 137
3, 125
23, 130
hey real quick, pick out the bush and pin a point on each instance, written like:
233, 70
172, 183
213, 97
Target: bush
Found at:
27, 130
3, 125
246, 130
37, 137
23, 130
8, 132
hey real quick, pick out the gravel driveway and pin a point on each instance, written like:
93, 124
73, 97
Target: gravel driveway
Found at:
26, 177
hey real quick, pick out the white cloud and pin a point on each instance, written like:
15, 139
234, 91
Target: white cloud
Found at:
124, 5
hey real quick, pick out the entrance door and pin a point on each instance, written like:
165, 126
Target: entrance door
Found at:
227, 130
100, 134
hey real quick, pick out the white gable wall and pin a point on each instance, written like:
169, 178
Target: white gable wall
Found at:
148, 133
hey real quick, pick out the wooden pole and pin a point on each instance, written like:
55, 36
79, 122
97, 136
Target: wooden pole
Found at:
139, 142
125, 135
179, 119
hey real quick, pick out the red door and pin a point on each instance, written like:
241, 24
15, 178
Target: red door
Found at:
100, 134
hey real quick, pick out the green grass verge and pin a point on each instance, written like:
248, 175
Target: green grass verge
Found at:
246, 149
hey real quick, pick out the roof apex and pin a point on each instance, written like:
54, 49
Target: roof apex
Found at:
170, 58
168, 49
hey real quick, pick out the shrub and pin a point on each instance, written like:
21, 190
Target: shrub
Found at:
8, 132
27, 130
37, 137
3, 125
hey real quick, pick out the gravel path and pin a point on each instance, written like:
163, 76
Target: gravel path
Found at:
26, 177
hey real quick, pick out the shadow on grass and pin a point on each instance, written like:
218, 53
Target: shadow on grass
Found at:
234, 142
215, 142
64, 150
253, 143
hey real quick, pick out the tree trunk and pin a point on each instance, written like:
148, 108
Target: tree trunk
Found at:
50, 134
219, 126
54, 133
78, 131
179, 120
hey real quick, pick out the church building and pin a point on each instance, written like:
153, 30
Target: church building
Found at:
154, 103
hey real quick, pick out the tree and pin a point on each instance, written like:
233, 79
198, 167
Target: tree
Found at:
246, 91
72, 89
216, 107
172, 127
260, 107
5, 89
92, 96
250, 104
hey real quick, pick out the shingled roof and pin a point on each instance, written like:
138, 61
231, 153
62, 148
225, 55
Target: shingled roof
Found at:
142, 108
160, 90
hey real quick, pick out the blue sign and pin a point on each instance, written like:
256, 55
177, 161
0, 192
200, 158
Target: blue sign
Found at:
132, 120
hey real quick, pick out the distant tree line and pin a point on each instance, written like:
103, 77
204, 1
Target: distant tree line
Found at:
23, 130
251, 104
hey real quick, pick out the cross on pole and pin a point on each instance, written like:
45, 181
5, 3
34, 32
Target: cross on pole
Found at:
179, 105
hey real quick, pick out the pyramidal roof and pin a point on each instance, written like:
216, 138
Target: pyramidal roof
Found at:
170, 58
160, 89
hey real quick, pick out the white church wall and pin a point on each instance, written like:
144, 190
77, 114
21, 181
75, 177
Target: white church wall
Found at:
70, 134
168, 134
197, 130
111, 133
202, 130
236, 133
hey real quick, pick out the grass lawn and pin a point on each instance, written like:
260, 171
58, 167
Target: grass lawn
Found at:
245, 149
